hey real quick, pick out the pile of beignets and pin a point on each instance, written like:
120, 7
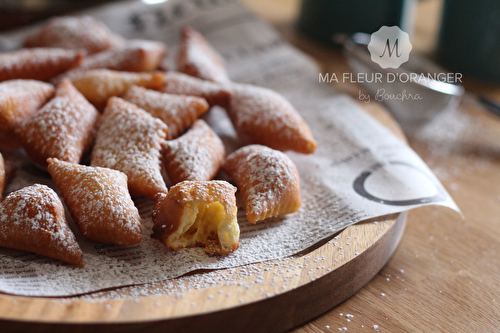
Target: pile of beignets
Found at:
79, 92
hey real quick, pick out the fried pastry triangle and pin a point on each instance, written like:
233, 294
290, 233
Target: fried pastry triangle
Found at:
64, 128
196, 57
177, 111
100, 84
196, 155
130, 140
32, 219
38, 63
74, 33
182, 84
98, 201
133, 56
19, 99
267, 179
198, 214
265, 117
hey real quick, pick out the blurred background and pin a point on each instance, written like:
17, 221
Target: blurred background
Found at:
463, 35
15, 13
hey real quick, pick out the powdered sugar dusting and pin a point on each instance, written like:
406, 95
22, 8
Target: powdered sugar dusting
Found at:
205, 191
64, 128
177, 111
133, 56
271, 173
268, 118
20, 98
181, 84
130, 140
74, 33
198, 58
97, 198
197, 155
267, 179
445, 137
98, 85
37, 63
33, 219
152, 261
326, 206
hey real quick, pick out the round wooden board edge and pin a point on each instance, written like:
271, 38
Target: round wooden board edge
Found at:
302, 302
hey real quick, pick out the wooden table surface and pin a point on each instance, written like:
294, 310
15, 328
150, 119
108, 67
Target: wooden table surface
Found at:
445, 275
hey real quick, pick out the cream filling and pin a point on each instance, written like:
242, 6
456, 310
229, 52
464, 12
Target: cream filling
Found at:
206, 224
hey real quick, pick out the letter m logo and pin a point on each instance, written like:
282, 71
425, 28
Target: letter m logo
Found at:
390, 50
389, 47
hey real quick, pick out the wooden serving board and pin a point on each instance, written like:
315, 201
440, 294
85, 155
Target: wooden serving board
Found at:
266, 297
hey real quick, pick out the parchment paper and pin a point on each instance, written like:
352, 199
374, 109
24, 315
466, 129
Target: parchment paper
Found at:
359, 171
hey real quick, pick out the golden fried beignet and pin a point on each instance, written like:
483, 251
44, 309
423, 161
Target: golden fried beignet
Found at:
133, 56
198, 213
100, 84
196, 155
265, 117
38, 63
64, 128
19, 99
182, 84
32, 219
98, 201
267, 179
74, 33
178, 112
130, 140
196, 57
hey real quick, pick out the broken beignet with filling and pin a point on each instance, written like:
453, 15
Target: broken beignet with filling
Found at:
32, 219
267, 180
98, 201
198, 213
